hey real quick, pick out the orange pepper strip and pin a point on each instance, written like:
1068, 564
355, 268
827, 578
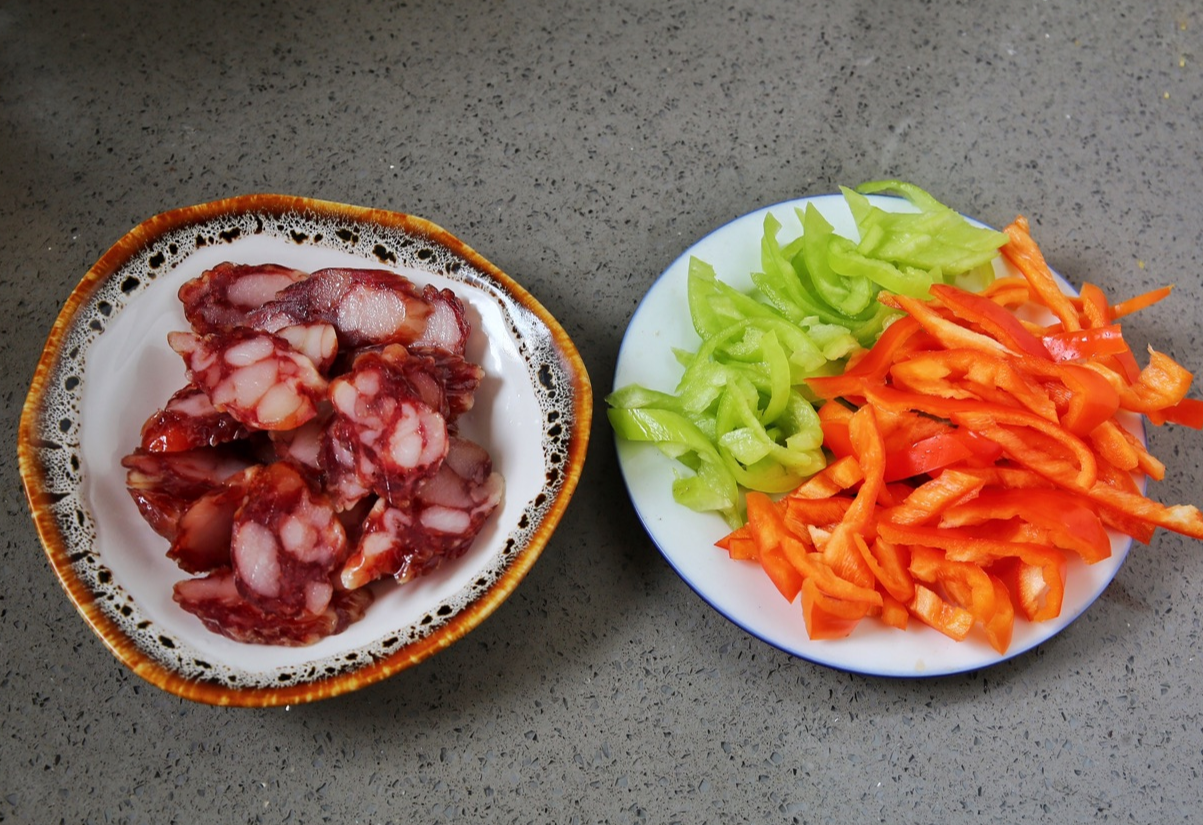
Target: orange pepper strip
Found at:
1188, 412
1109, 442
827, 617
801, 513
899, 337
840, 551
1163, 383
889, 565
739, 545
949, 333
954, 622
768, 530
1096, 310
966, 582
893, 612
933, 497
1038, 584
966, 373
1000, 626
832, 480
1023, 253
984, 419
1092, 401
1071, 524
1140, 301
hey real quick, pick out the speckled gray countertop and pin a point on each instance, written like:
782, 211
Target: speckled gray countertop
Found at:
581, 147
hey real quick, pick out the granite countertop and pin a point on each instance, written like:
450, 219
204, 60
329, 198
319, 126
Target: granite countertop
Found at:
582, 147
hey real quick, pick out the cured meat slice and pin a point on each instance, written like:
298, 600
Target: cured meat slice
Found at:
188, 421
202, 541
303, 446
370, 307
286, 543
383, 436
318, 342
255, 377
216, 601
221, 297
440, 523
164, 485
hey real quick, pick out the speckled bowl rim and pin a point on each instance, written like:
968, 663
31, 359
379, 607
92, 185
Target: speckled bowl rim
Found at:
37, 435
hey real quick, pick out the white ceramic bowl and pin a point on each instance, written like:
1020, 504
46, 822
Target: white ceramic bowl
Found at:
740, 590
107, 366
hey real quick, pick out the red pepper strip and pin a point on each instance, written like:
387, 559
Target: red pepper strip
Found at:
954, 622
964, 582
1140, 301
899, 337
1095, 307
999, 627
984, 419
926, 456
1163, 383
990, 317
1188, 412
1092, 401
840, 551
832, 480
827, 617
1070, 523
949, 333
814, 569
1022, 251
889, 564
933, 497
1084, 344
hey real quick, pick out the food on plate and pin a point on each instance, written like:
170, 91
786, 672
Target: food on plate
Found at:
314, 449
741, 417
977, 448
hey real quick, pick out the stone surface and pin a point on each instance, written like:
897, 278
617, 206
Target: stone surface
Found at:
581, 147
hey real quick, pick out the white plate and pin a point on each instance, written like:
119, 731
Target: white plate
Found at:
107, 367
740, 590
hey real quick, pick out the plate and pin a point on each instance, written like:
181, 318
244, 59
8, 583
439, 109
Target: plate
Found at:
740, 590
107, 366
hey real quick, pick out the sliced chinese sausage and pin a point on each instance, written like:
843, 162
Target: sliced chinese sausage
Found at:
317, 341
439, 524
286, 543
384, 434
188, 421
164, 485
216, 601
254, 376
202, 541
369, 307
221, 297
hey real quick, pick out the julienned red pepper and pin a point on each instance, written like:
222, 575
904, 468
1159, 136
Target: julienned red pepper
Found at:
984, 312
1016, 436
1084, 344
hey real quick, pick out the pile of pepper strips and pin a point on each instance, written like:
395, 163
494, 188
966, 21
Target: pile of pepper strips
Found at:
971, 451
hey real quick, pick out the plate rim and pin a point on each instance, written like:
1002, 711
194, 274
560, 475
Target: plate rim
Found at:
40, 497
1120, 553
